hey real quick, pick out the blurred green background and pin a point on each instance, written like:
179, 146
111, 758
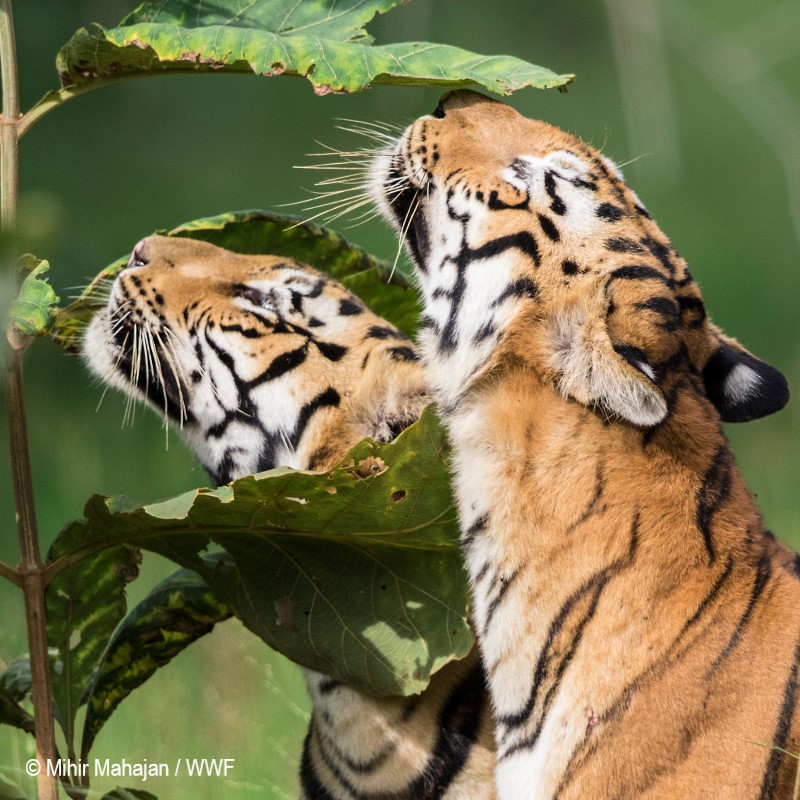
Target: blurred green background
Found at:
700, 103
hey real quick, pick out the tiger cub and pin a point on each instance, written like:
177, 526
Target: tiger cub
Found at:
639, 638
265, 362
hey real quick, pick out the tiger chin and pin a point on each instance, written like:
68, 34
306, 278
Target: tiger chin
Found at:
640, 629
263, 362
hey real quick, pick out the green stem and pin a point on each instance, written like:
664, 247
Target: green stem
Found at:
31, 569
9, 138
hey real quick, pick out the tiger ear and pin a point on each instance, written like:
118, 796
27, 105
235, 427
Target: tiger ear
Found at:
612, 376
741, 386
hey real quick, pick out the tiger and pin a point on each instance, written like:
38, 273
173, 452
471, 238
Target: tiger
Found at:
639, 629
265, 362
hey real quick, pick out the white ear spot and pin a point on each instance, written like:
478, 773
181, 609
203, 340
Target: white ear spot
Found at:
741, 384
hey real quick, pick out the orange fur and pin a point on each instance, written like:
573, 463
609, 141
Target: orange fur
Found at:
639, 629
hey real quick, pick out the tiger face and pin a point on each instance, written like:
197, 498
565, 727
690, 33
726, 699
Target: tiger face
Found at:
527, 241
260, 360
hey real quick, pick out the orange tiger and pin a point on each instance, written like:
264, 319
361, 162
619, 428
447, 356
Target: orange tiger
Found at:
265, 362
640, 637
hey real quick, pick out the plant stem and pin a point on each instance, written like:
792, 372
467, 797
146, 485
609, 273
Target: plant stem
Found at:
9, 139
32, 578
31, 568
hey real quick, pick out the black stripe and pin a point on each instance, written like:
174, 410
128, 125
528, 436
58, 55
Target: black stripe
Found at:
332, 750
280, 365
763, 574
383, 332
522, 240
403, 354
662, 251
593, 588
592, 507
349, 308
609, 212
331, 351
471, 533
309, 780
523, 287
529, 741
666, 308
458, 722
248, 333
496, 204
505, 585
780, 739
549, 228
637, 272
330, 398
557, 205
714, 492
621, 244
585, 748
333, 767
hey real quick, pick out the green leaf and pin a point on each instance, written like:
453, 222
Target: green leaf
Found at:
85, 603
323, 40
355, 573
8, 789
175, 613
253, 231
33, 312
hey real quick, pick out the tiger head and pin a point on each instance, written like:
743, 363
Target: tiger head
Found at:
262, 361
528, 245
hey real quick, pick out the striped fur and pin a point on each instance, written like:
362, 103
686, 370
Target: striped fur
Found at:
264, 362
639, 629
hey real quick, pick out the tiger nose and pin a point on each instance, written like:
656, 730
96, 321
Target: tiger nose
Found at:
460, 98
138, 257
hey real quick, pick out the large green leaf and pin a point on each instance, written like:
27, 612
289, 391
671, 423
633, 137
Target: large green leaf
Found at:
382, 288
355, 572
85, 603
323, 40
175, 613
33, 312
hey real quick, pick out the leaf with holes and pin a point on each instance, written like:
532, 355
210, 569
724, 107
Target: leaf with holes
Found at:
373, 280
324, 41
355, 573
85, 603
175, 613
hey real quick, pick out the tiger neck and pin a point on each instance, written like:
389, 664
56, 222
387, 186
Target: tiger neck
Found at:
546, 486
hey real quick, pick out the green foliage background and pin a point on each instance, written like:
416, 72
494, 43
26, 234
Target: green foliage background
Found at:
704, 97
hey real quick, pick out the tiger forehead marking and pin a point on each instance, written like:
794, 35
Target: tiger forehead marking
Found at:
251, 355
